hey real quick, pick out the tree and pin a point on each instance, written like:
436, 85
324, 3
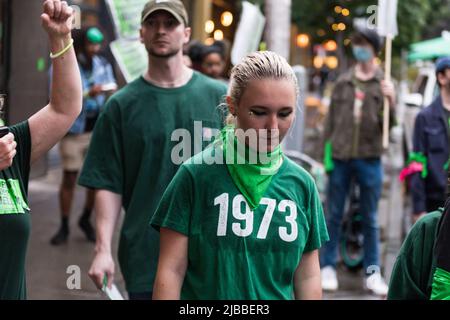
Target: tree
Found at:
416, 18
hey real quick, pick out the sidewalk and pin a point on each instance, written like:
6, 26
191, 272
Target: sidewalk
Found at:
47, 265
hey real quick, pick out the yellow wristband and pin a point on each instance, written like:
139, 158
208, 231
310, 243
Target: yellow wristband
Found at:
59, 54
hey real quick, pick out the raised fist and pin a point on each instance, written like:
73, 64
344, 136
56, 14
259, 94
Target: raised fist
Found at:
57, 18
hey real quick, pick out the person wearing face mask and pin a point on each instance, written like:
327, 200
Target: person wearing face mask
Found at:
431, 148
353, 149
98, 81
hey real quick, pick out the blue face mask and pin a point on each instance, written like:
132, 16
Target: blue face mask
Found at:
362, 54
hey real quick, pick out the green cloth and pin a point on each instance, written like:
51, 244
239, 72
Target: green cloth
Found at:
412, 275
15, 217
131, 154
233, 252
251, 171
441, 285
420, 158
328, 157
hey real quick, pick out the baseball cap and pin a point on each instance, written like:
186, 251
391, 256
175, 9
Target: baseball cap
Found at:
94, 35
442, 64
174, 7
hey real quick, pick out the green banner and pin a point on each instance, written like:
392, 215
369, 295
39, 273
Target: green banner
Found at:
126, 15
131, 57
11, 198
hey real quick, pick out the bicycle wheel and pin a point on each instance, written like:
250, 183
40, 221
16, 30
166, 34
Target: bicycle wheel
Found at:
351, 244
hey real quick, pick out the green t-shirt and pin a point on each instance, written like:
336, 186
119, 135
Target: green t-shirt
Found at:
234, 253
15, 217
412, 275
131, 154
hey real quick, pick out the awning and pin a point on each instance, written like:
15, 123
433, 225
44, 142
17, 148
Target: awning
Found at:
430, 49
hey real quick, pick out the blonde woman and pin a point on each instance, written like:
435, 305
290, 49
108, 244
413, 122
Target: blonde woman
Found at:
240, 220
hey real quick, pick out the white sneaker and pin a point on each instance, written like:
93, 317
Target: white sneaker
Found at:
376, 284
329, 279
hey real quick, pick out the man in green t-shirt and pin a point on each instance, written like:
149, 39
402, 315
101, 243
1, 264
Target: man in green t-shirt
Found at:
34, 138
132, 157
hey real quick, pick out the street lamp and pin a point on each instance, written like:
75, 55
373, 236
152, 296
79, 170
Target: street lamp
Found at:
331, 62
330, 45
302, 40
218, 35
209, 41
226, 18
318, 62
209, 26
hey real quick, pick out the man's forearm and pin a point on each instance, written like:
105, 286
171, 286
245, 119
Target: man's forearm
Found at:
107, 208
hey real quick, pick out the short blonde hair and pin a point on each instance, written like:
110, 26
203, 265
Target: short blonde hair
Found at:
258, 65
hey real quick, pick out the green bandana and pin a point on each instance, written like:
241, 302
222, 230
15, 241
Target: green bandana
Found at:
420, 158
441, 285
251, 171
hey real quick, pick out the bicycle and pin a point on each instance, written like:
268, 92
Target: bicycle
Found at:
352, 239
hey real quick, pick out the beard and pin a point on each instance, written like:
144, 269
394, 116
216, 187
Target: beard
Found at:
172, 52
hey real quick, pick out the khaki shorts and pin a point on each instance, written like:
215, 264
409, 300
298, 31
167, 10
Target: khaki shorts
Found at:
73, 149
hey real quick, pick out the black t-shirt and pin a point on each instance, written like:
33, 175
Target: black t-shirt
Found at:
15, 217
